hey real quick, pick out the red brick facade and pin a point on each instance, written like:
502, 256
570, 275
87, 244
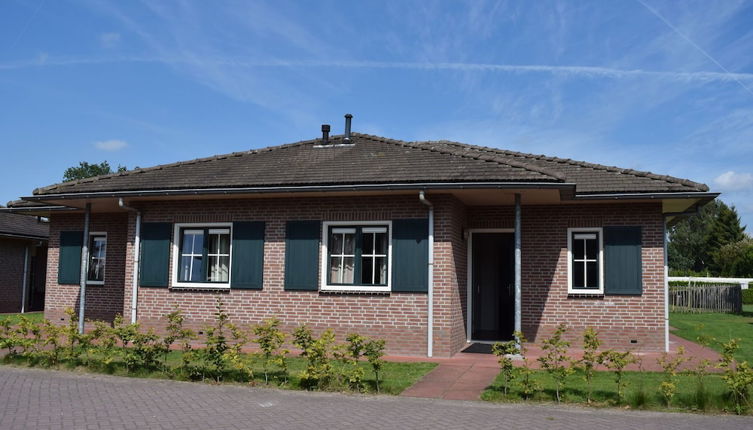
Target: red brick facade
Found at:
401, 318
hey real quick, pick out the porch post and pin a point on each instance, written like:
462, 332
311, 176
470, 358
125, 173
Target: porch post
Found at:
84, 269
518, 298
25, 285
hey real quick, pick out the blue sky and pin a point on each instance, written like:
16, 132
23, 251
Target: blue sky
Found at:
644, 84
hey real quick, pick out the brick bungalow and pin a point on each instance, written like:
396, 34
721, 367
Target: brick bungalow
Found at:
430, 245
23, 261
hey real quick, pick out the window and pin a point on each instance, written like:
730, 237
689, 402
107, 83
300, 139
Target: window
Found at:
585, 261
203, 255
356, 256
97, 257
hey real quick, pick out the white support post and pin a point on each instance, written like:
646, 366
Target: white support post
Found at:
84, 270
518, 265
666, 288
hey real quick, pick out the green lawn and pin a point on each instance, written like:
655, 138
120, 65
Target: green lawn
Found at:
641, 393
394, 377
720, 326
15, 318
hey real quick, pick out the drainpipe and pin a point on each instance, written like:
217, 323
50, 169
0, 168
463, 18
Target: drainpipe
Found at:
136, 245
25, 285
666, 287
518, 282
430, 327
83, 274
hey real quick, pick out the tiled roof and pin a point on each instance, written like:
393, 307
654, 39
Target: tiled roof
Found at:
22, 225
375, 160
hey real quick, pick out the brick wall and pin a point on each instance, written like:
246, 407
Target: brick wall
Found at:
399, 317
11, 274
545, 302
103, 302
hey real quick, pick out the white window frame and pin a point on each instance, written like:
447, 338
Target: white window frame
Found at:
176, 256
580, 291
88, 263
324, 278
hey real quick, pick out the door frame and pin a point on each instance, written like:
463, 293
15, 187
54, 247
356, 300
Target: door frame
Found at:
469, 279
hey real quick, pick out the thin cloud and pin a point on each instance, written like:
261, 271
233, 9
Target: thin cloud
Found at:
109, 40
110, 145
593, 72
733, 181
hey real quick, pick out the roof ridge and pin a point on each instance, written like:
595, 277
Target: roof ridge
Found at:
420, 145
175, 164
614, 169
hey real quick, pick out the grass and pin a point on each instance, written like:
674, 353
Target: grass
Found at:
36, 317
641, 392
722, 327
394, 377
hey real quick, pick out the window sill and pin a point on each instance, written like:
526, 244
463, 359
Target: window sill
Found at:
353, 289
200, 286
585, 294
96, 283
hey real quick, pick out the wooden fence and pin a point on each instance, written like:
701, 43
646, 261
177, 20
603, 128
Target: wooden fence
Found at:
708, 298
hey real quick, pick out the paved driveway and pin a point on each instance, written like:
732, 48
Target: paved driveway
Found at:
41, 399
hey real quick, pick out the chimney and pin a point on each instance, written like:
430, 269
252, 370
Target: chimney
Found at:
325, 134
348, 117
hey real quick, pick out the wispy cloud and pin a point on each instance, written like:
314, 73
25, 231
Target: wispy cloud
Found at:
733, 181
109, 40
110, 145
591, 72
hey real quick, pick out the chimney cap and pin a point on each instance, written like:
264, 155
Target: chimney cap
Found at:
325, 127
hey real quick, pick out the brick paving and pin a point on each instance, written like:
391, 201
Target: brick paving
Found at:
43, 399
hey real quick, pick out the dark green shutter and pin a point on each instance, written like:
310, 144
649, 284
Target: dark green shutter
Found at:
154, 265
622, 261
410, 255
248, 255
69, 262
302, 255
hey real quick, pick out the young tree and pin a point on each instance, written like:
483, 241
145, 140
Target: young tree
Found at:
86, 170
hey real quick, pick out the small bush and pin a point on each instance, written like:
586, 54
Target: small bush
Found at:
587, 364
737, 375
528, 385
748, 296
670, 365
555, 360
374, 351
616, 362
319, 372
270, 339
503, 350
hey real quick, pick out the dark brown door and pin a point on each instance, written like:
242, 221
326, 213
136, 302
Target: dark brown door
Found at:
492, 280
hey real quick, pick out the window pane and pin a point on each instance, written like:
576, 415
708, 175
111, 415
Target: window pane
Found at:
193, 242
366, 270
335, 244
592, 271
592, 249
578, 275
381, 243
368, 243
96, 270
578, 248
218, 269
381, 270
350, 244
97, 247
219, 244
335, 270
348, 270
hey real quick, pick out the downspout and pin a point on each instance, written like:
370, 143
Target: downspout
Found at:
518, 267
25, 285
136, 245
666, 287
430, 298
83, 274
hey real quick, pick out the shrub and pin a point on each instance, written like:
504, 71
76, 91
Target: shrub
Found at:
234, 358
350, 372
737, 375
103, 345
528, 385
555, 360
587, 364
318, 372
503, 350
147, 351
616, 362
270, 340
374, 351
52, 342
670, 365
212, 357
748, 296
